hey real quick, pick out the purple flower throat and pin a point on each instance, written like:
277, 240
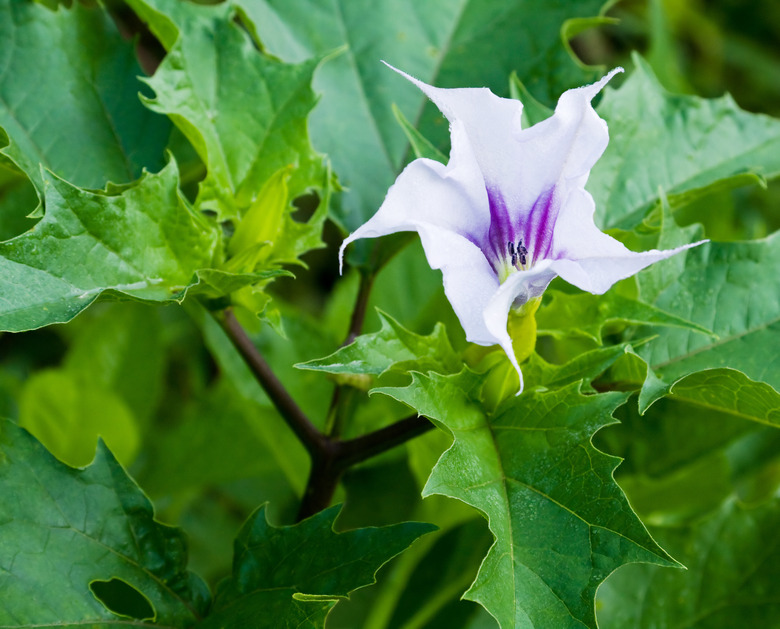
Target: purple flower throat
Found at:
517, 239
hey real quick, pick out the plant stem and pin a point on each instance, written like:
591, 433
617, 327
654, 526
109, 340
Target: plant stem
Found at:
361, 306
333, 424
369, 445
336, 457
330, 456
312, 439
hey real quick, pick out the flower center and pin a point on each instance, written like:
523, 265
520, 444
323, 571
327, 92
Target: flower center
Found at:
517, 254
514, 259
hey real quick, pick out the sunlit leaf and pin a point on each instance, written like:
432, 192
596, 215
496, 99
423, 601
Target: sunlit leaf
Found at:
145, 243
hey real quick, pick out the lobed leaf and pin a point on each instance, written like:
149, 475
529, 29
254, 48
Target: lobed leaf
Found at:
561, 523
392, 347
144, 243
244, 112
52, 513
287, 575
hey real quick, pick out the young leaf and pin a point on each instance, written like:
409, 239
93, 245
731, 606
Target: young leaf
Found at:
243, 111
145, 243
561, 523
52, 513
733, 561
434, 42
284, 575
67, 414
392, 347
684, 145
80, 117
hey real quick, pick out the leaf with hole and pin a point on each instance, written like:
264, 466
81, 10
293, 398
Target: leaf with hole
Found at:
52, 513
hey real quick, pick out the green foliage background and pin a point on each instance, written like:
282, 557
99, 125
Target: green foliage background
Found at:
161, 161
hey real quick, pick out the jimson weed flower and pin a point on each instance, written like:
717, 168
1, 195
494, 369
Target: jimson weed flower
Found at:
509, 211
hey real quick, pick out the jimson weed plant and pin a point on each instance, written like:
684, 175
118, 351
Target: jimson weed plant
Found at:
206, 425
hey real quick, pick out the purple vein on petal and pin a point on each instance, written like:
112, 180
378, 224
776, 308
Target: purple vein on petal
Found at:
539, 228
501, 231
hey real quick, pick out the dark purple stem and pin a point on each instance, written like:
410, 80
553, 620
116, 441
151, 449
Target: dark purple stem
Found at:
330, 456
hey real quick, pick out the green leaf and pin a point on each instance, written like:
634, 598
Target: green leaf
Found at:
436, 42
52, 514
732, 392
684, 145
67, 415
586, 315
80, 117
392, 347
216, 283
533, 110
121, 349
285, 575
730, 288
561, 523
587, 366
733, 561
145, 243
420, 145
243, 111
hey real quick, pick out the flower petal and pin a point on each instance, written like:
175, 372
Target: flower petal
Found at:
588, 258
515, 291
469, 281
452, 197
522, 166
488, 120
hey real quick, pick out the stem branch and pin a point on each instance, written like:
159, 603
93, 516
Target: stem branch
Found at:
330, 456
312, 439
